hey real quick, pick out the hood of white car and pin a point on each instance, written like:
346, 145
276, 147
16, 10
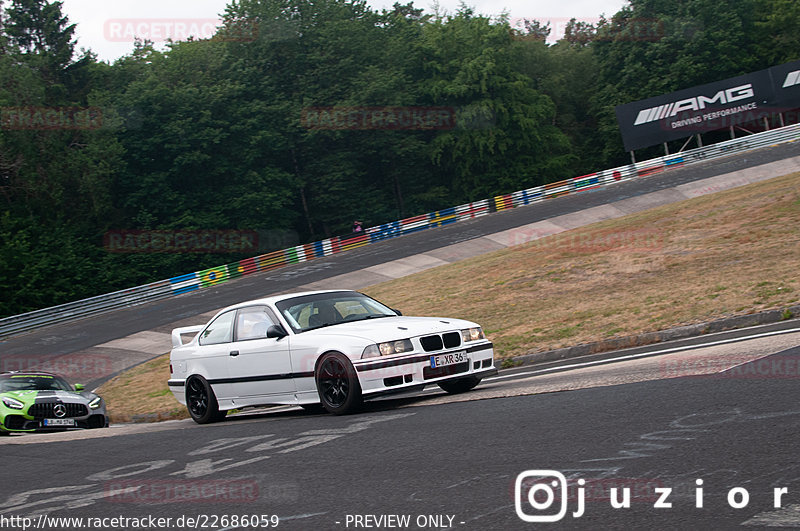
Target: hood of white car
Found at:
392, 328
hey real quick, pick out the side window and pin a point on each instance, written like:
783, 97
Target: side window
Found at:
219, 331
252, 323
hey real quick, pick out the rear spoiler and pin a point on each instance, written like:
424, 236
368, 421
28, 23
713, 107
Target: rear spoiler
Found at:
177, 340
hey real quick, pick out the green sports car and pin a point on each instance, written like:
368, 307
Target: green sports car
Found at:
40, 401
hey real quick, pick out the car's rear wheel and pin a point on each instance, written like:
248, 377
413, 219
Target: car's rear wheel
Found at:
337, 384
462, 385
201, 401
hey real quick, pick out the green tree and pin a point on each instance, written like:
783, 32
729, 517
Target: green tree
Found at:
504, 139
779, 21
567, 73
55, 176
333, 54
579, 33
42, 35
653, 47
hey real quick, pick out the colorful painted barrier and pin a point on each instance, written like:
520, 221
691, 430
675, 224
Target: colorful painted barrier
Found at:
214, 276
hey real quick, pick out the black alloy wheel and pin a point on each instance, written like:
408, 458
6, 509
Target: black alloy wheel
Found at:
337, 384
201, 402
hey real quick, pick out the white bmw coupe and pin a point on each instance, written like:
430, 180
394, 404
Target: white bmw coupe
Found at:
328, 348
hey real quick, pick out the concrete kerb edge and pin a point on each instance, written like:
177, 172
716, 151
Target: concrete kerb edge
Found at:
650, 338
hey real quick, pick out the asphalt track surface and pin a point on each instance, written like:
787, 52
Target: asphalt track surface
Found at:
721, 409
71, 337
725, 414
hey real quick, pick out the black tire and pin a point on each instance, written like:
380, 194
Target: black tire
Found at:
462, 385
337, 384
201, 402
313, 408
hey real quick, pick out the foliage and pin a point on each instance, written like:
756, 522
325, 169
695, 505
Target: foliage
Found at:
215, 133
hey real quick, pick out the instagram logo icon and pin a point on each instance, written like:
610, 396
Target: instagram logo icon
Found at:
536, 492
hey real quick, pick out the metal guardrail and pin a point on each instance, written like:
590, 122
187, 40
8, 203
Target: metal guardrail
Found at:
208, 277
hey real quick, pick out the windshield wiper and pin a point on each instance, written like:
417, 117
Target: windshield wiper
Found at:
323, 325
369, 317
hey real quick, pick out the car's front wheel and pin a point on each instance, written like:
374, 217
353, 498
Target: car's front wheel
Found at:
337, 384
201, 401
462, 385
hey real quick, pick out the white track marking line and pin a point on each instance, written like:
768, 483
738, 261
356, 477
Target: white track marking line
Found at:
645, 354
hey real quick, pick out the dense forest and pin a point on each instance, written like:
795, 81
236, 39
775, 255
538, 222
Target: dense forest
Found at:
235, 131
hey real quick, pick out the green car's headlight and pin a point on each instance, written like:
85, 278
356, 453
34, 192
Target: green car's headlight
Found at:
12, 403
388, 348
96, 403
472, 334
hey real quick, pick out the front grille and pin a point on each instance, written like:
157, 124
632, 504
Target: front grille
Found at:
447, 370
433, 343
452, 340
45, 410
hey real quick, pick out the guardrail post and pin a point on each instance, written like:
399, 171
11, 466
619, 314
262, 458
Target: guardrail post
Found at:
182, 284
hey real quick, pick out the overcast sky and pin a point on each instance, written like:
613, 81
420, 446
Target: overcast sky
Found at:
107, 26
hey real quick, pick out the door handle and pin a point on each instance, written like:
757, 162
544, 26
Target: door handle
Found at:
234, 352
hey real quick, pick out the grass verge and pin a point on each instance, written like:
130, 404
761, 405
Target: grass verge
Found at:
141, 394
726, 254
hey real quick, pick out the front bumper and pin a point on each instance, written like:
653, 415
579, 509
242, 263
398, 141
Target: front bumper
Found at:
380, 376
25, 423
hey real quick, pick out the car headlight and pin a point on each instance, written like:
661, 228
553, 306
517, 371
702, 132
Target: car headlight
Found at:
472, 334
388, 348
12, 403
96, 402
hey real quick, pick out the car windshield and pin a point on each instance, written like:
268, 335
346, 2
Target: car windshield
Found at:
308, 312
34, 382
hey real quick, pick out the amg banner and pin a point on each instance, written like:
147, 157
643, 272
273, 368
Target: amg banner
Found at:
709, 107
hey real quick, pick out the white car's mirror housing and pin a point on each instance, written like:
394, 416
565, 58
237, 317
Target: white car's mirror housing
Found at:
276, 331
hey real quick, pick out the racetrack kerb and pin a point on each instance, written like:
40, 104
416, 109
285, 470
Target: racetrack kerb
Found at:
718, 256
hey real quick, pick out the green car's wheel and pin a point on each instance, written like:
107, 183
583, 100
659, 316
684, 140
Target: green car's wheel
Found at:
201, 402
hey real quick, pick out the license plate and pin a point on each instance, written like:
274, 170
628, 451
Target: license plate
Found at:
451, 358
59, 422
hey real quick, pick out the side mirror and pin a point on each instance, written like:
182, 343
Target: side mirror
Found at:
276, 331
80, 387
398, 312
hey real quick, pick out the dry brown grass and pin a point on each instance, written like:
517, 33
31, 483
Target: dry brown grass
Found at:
730, 253
141, 394
726, 254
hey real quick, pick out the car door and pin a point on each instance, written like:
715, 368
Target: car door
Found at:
259, 366
212, 353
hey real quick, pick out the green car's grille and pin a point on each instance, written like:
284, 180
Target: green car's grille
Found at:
48, 410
